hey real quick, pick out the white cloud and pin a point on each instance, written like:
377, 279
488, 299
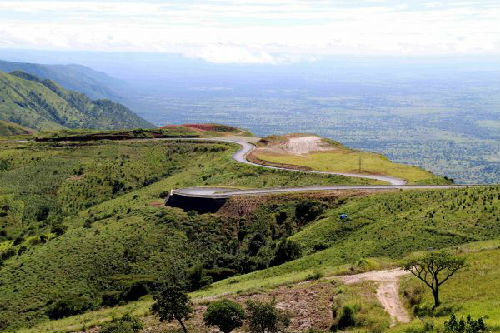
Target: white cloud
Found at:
254, 31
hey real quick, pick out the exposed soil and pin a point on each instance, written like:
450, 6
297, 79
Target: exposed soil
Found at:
309, 304
298, 145
387, 291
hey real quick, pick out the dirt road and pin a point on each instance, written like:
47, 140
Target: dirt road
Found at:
387, 291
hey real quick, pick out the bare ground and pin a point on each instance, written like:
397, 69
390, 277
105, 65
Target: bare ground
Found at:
298, 145
387, 291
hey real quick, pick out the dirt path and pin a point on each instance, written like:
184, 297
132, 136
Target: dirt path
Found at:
387, 291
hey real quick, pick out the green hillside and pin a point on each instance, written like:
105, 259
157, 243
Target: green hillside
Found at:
11, 129
79, 78
44, 105
83, 225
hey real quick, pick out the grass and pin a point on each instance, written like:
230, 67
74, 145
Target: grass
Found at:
121, 233
343, 159
468, 292
385, 225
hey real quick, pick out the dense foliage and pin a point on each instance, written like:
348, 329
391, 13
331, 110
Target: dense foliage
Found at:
225, 314
44, 105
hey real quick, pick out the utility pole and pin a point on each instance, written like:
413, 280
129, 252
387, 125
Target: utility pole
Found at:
359, 163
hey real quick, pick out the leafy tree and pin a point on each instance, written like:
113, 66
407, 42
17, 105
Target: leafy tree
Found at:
225, 314
265, 317
172, 303
461, 326
125, 324
434, 269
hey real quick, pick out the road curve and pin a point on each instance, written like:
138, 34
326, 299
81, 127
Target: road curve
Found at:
247, 147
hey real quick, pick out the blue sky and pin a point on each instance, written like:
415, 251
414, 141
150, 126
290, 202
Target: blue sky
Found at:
261, 31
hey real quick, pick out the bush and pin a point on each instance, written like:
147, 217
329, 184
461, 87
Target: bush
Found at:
265, 317
225, 314
307, 211
125, 324
414, 295
343, 319
460, 326
69, 306
287, 250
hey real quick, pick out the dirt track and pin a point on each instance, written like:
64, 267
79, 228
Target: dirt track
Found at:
387, 291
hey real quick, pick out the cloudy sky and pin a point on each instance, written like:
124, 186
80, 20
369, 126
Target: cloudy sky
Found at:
259, 31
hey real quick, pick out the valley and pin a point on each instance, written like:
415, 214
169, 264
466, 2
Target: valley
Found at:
107, 226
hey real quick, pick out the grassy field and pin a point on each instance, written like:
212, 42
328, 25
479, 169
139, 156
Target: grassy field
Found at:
343, 159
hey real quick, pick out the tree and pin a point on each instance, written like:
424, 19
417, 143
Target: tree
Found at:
225, 314
434, 269
172, 303
265, 317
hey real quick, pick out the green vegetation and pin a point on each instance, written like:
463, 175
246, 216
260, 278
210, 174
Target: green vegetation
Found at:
95, 210
172, 303
386, 225
434, 269
225, 314
72, 77
13, 129
44, 105
265, 317
83, 228
343, 159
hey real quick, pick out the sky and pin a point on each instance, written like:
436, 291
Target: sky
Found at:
259, 31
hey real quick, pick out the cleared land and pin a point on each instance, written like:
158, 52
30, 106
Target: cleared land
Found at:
313, 153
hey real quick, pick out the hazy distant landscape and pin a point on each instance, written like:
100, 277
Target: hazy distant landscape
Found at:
434, 116
442, 114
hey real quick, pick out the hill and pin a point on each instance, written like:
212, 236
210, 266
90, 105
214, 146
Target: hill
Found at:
84, 230
12, 129
44, 105
310, 152
96, 85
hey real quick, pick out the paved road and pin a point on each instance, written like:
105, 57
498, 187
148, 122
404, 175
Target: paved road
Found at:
246, 148
221, 192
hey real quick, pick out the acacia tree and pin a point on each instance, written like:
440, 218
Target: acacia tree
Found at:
434, 269
172, 303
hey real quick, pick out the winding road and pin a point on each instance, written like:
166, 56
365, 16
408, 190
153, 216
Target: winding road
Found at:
247, 147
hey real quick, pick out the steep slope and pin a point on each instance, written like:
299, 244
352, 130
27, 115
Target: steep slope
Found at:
72, 77
44, 105
9, 129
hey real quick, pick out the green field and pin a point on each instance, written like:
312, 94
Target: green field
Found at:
343, 159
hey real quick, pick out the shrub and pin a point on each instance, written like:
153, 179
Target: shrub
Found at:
316, 275
287, 250
225, 314
307, 210
414, 295
125, 324
69, 306
343, 319
460, 326
265, 317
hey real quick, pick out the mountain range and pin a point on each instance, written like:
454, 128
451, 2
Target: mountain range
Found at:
43, 104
